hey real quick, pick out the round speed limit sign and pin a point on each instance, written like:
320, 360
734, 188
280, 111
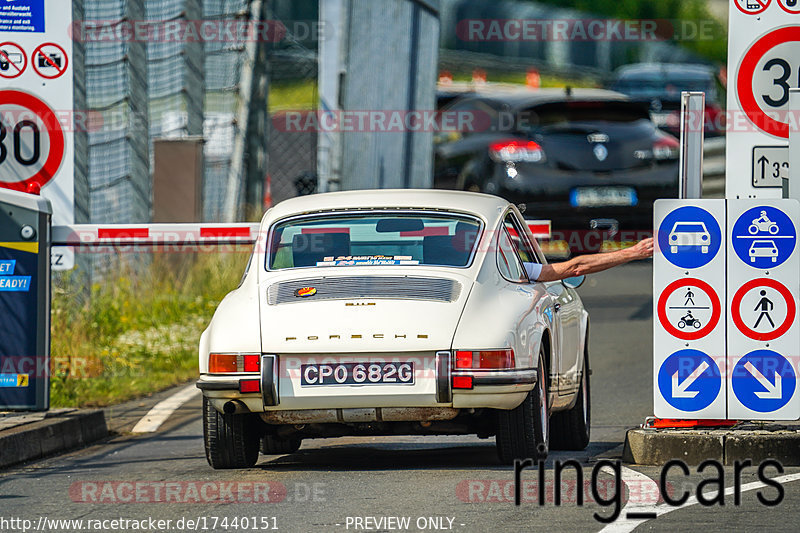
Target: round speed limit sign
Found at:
31, 141
769, 68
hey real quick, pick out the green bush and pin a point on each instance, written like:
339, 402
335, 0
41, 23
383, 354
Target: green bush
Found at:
137, 331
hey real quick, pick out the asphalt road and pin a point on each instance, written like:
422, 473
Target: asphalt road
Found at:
357, 484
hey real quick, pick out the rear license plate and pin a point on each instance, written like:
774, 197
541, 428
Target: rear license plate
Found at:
603, 197
327, 374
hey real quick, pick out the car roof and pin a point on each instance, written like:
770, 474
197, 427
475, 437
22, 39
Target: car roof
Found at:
521, 98
658, 71
485, 205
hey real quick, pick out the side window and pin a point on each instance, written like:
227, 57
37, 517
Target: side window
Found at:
519, 240
507, 260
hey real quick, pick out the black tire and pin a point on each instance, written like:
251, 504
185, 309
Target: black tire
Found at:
524, 432
231, 441
571, 429
272, 445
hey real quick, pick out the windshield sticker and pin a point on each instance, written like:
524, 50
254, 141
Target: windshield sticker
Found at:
368, 260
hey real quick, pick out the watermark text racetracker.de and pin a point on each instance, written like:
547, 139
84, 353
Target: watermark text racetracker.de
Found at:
197, 523
586, 30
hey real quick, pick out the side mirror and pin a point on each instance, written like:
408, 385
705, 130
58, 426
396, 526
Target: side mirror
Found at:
574, 283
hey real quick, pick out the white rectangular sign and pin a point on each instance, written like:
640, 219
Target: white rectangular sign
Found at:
763, 64
763, 286
688, 299
37, 150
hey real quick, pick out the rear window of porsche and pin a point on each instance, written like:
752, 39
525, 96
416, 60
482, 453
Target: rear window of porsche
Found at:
370, 239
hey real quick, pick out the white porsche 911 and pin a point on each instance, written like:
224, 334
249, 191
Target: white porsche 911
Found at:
394, 312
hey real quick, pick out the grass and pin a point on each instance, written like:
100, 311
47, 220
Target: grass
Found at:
134, 334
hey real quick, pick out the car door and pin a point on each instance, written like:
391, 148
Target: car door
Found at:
566, 309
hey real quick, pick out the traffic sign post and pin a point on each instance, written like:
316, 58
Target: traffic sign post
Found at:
689, 290
37, 149
763, 340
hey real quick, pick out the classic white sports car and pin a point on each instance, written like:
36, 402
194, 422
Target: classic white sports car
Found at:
394, 312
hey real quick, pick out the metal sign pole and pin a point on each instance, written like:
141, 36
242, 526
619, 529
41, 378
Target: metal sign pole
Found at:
790, 185
693, 106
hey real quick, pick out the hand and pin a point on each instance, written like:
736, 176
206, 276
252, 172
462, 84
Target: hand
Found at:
642, 250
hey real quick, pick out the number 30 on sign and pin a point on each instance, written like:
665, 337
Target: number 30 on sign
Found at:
31, 142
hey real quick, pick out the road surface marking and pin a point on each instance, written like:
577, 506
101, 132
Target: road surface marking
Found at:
625, 525
162, 410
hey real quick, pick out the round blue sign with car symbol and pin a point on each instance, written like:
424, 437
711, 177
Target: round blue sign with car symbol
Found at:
689, 237
763, 237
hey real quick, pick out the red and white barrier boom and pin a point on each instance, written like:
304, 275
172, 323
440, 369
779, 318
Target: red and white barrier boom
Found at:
162, 235
169, 235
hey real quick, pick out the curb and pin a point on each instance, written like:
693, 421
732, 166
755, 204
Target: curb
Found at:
57, 433
657, 446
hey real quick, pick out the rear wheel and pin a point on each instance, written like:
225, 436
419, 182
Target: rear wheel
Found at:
571, 429
273, 445
524, 432
231, 441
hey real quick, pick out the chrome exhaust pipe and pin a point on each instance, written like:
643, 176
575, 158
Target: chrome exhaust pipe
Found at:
234, 407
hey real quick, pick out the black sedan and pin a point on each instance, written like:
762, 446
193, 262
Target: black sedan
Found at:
583, 158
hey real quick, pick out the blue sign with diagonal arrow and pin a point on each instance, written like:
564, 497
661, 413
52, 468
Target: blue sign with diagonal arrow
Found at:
763, 381
689, 380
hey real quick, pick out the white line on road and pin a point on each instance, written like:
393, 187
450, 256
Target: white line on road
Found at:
624, 525
639, 485
162, 410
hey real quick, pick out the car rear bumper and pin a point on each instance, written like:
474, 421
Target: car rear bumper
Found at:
281, 398
547, 194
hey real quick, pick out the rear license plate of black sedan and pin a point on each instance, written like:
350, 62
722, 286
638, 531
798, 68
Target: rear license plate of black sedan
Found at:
327, 374
603, 196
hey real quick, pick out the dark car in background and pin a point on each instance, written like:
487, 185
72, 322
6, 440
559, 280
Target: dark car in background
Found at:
582, 158
659, 85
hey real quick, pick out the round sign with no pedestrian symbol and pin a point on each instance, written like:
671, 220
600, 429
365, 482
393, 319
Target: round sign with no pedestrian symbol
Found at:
763, 309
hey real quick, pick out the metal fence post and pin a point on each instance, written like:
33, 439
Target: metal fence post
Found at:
693, 106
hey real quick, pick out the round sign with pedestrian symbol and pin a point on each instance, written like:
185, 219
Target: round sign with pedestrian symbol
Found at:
763, 309
763, 381
689, 237
689, 309
763, 237
689, 380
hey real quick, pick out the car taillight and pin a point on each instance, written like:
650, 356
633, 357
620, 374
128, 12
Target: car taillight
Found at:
485, 359
516, 151
666, 148
228, 363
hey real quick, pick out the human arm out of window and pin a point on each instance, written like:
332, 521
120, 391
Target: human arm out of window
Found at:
590, 264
